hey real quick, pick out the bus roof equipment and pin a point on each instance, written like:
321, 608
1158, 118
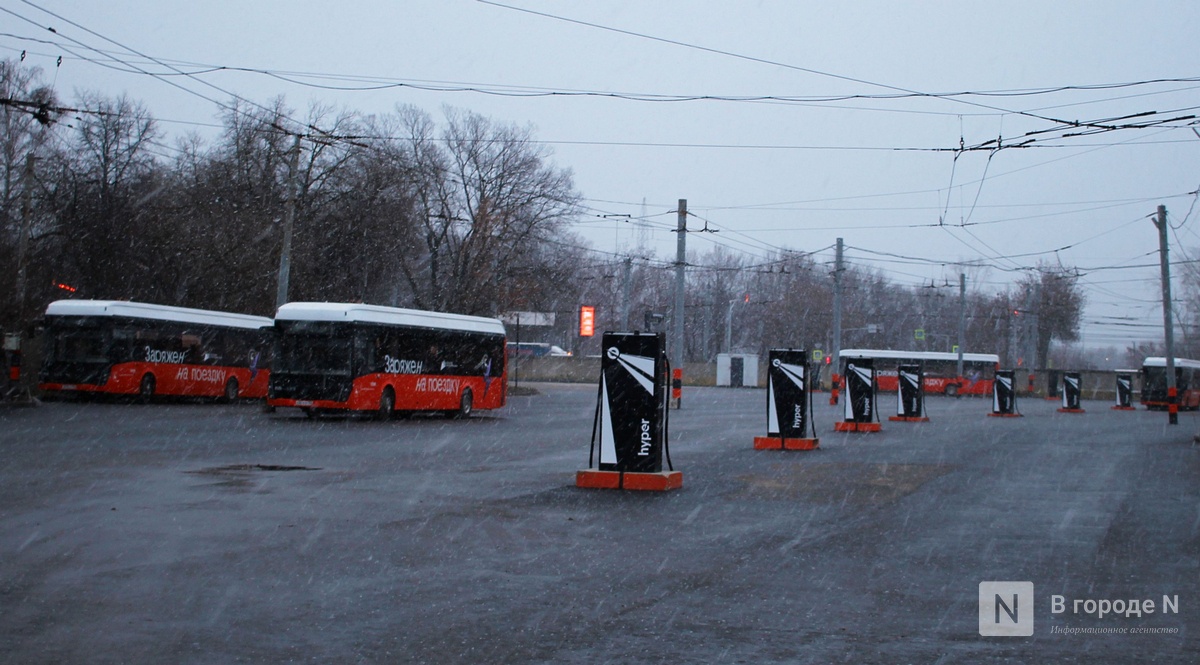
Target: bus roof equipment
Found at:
140, 310
359, 313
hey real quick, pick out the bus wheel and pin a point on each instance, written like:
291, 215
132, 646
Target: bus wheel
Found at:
466, 404
387, 404
146, 389
952, 390
231, 390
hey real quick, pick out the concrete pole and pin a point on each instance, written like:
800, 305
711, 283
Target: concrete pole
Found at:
626, 285
1035, 323
836, 354
1168, 323
677, 314
962, 321
289, 218
729, 327
1033, 305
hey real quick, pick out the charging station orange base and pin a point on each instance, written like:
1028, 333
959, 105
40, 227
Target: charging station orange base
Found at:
776, 443
908, 419
1006, 415
1071, 411
629, 480
856, 427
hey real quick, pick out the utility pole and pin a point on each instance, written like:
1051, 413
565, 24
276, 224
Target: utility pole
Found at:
837, 322
1035, 323
962, 322
678, 314
1012, 351
1026, 334
626, 285
1168, 323
729, 327
289, 218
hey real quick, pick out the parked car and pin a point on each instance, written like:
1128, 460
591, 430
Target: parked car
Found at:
536, 350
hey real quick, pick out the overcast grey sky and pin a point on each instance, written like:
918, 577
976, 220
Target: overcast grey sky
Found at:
770, 157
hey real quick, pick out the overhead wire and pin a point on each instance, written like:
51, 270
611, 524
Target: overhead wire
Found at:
372, 82
159, 76
86, 46
773, 63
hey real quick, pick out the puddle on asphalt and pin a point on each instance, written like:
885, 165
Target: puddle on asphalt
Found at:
244, 476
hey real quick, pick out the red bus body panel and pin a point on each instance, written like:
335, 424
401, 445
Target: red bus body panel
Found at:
172, 379
414, 392
1188, 399
888, 381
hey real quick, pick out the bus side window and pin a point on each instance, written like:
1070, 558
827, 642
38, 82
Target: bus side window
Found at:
193, 353
432, 352
122, 348
393, 345
233, 348
247, 346
212, 347
454, 355
433, 358
369, 349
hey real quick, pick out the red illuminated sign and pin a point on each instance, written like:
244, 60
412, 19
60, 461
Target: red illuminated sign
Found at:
587, 321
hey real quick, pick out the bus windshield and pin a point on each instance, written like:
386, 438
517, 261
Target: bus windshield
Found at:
313, 351
77, 345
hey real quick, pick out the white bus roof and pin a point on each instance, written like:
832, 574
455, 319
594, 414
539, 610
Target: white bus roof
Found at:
359, 313
141, 310
1160, 361
918, 355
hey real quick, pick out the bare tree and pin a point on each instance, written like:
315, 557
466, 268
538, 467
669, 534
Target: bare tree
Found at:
24, 118
1058, 302
107, 175
487, 198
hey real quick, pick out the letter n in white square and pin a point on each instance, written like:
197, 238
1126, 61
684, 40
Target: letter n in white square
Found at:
1006, 609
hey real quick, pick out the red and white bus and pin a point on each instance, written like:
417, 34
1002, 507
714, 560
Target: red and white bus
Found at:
366, 358
119, 347
1154, 383
941, 369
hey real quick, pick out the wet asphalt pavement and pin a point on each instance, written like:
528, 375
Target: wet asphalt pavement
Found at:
200, 533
